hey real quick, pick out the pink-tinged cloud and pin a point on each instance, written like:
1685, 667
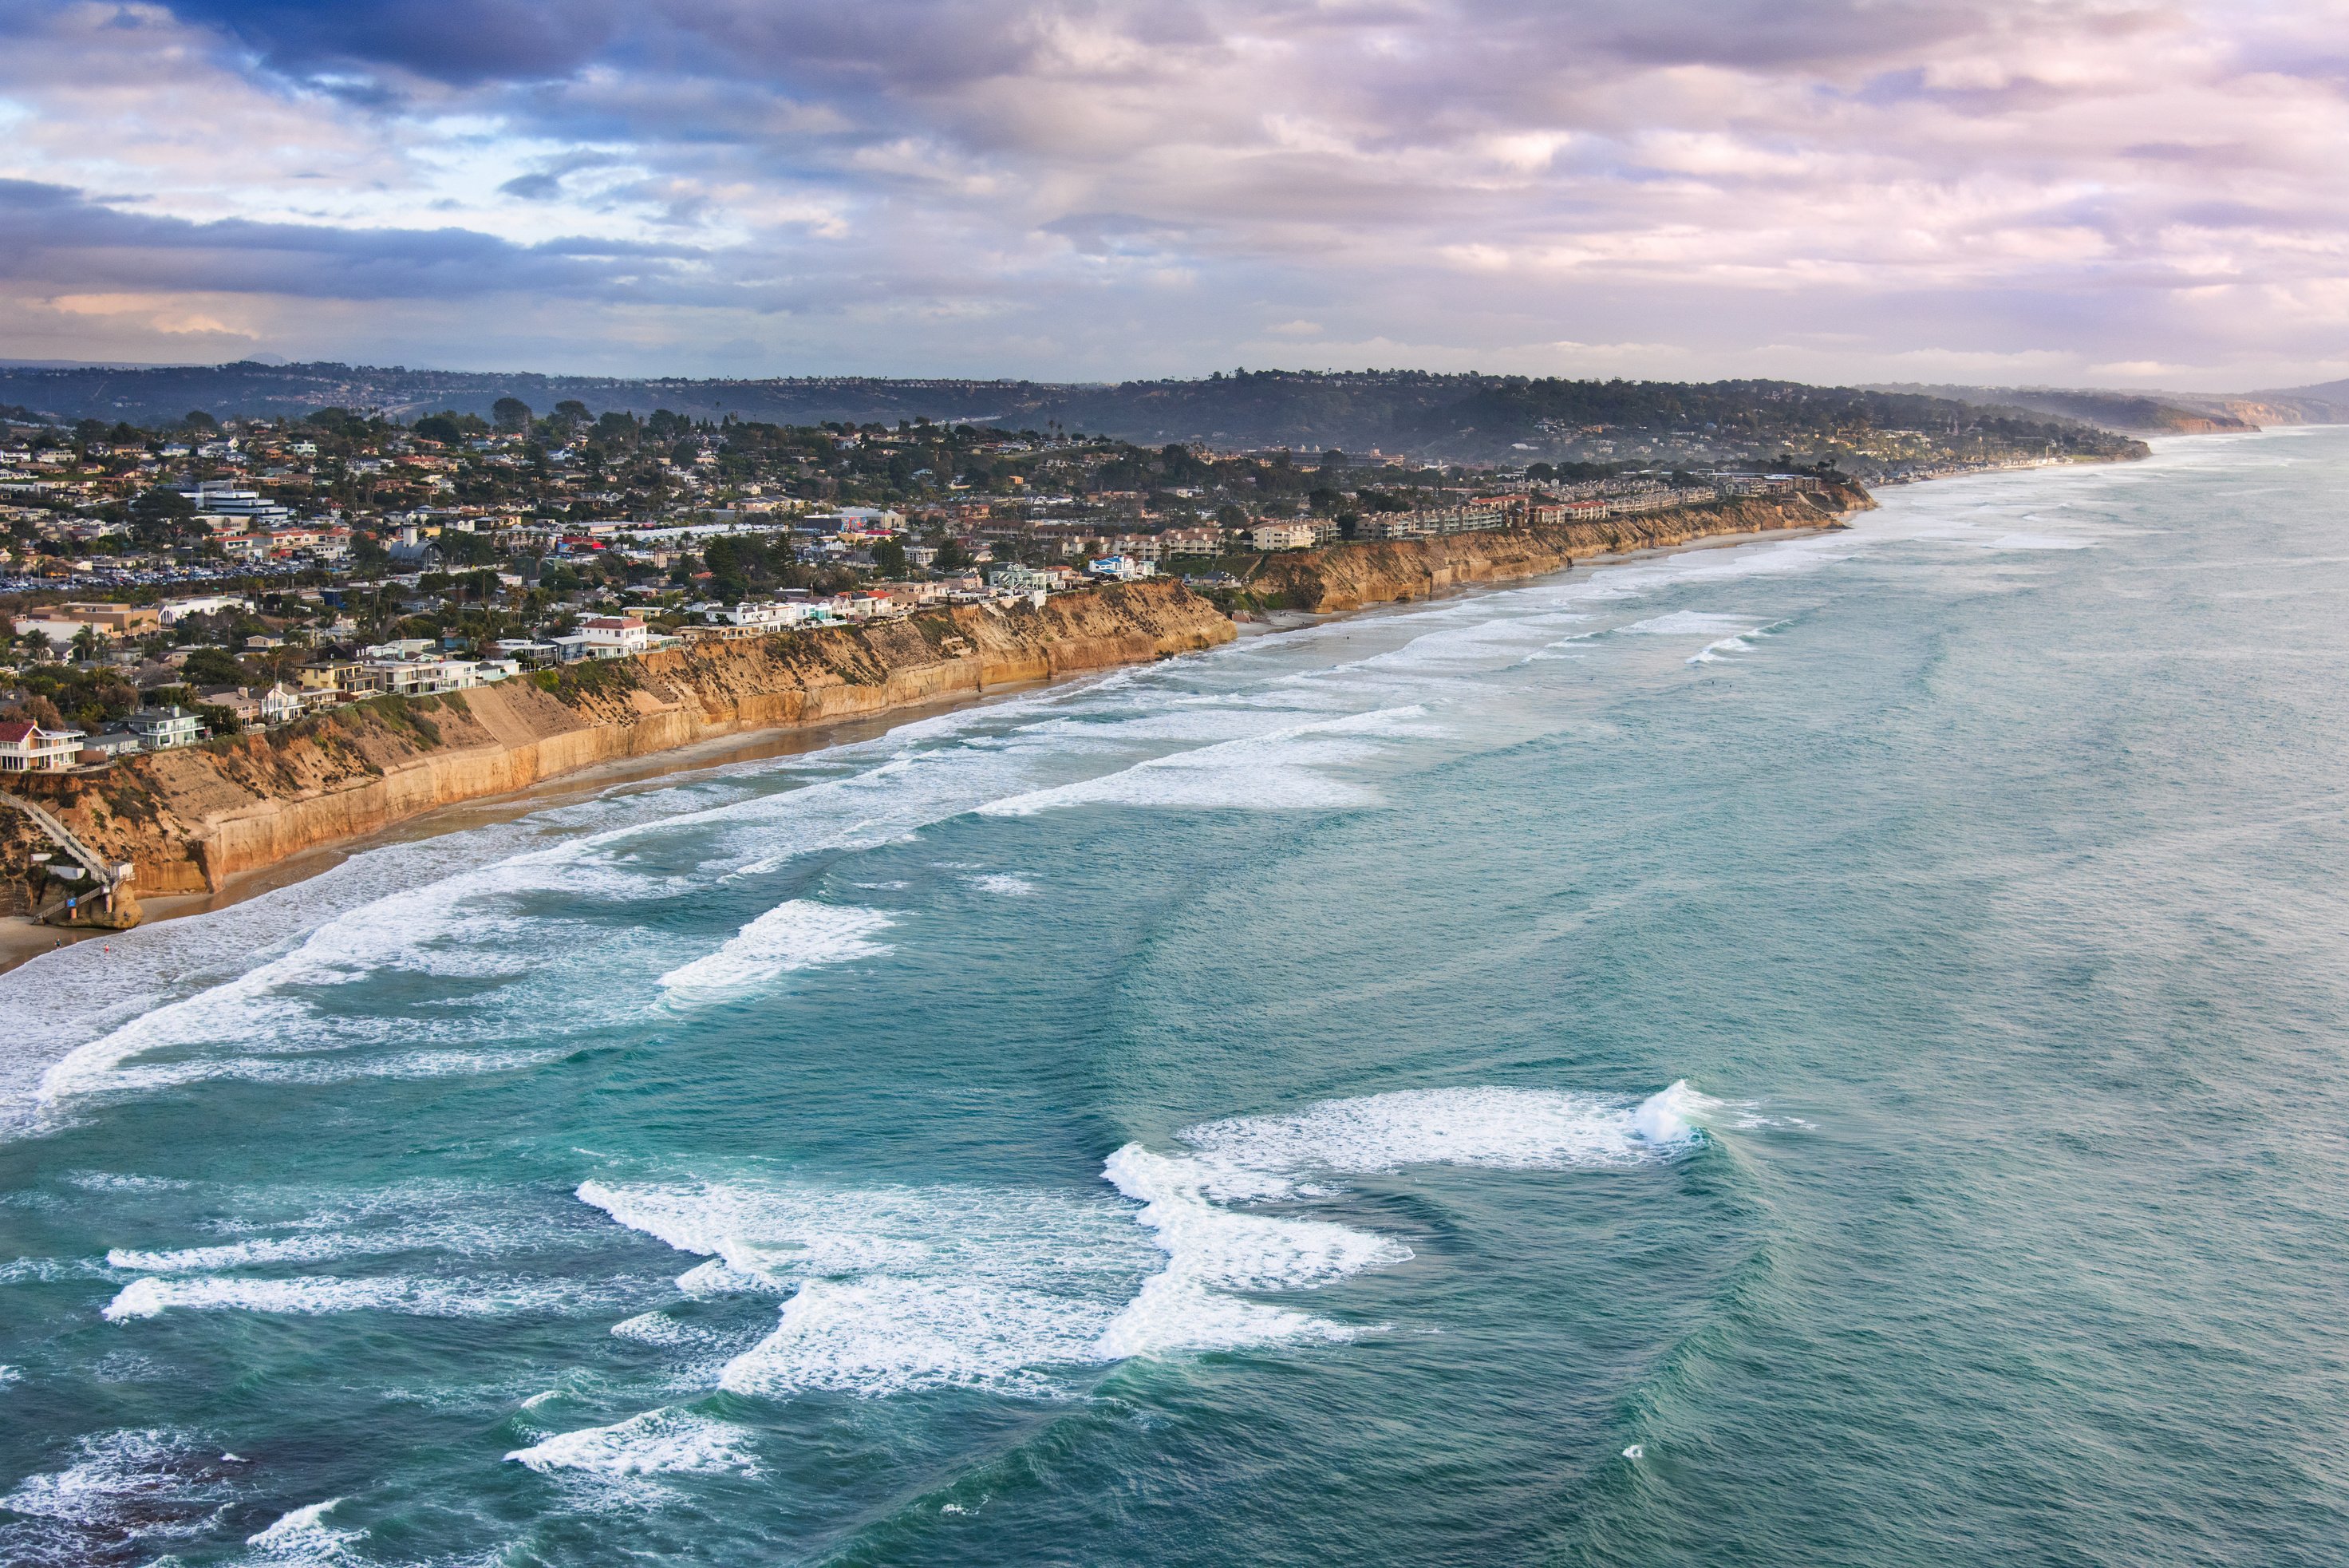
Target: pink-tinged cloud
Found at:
2026, 192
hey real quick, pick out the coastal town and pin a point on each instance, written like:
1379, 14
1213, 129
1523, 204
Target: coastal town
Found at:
167, 587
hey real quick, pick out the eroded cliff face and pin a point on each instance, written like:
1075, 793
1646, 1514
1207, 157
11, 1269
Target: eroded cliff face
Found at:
189, 819
1348, 576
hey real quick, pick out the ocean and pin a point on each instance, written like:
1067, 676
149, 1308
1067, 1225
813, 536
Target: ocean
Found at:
1814, 1051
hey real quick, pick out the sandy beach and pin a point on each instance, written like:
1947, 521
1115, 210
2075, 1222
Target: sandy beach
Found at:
21, 940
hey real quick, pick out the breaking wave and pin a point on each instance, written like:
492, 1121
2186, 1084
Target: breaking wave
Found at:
894, 1289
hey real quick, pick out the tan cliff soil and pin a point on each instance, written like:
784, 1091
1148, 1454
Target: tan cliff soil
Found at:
193, 819
1348, 576
188, 820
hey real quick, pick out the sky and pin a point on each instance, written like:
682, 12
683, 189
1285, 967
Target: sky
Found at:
2042, 192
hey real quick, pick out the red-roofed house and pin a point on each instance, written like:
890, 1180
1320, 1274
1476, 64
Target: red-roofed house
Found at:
26, 748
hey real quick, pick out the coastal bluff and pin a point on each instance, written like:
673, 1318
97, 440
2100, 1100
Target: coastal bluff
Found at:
188, 820
1350, 576
191, 820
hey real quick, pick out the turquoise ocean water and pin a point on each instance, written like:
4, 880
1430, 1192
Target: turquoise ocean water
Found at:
1825, 1051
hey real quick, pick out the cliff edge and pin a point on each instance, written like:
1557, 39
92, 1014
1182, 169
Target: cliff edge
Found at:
1348, 576
188, 820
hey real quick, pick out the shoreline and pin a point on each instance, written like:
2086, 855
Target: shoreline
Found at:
21, 940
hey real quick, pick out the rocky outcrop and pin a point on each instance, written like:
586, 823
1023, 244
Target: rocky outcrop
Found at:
1348, 576
188, 820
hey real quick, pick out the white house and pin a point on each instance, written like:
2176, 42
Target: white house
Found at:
764, 615
1020, 578
614, 636
160, 729
26, 748
280, 706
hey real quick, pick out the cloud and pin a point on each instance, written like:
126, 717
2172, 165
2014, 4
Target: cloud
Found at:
1111, 187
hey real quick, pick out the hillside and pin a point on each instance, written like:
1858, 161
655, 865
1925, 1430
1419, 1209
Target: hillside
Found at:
1456, 418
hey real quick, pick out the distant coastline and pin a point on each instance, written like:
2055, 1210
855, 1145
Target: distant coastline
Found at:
197, 822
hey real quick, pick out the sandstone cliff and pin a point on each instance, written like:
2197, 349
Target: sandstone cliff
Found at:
189, 819
1348, 576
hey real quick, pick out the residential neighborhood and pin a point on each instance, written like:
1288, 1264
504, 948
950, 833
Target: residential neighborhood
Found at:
161, 587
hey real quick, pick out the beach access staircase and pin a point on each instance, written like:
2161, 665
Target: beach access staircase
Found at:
106, 875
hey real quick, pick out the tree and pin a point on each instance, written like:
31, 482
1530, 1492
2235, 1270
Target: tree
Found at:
950, 558
889, 555
87, 644
212, 666
156, 517
510, 414
450, 427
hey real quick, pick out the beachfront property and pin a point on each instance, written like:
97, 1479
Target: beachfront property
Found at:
1283, 534
161, 729
613, 637
28, 748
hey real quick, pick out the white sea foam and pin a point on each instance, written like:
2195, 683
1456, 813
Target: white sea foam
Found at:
405, 1065
898, 1288
800, 934
1665, 1120
658, 1328
888, 1335
901, 1287
658, 1442
1692, 623
1714, 652
304, 1537
10, 1376
232, 1254
143, 1485
2038, 542
1004, 886
416, 929
1501, 1128
1283, 769
312, 1295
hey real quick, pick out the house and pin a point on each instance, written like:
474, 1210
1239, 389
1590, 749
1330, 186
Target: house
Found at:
614, 636
527, 653
106, 745
161, 729
757, 615
1121, 568
26, 748
280, 705
1020, 578
241, 706
332, 675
